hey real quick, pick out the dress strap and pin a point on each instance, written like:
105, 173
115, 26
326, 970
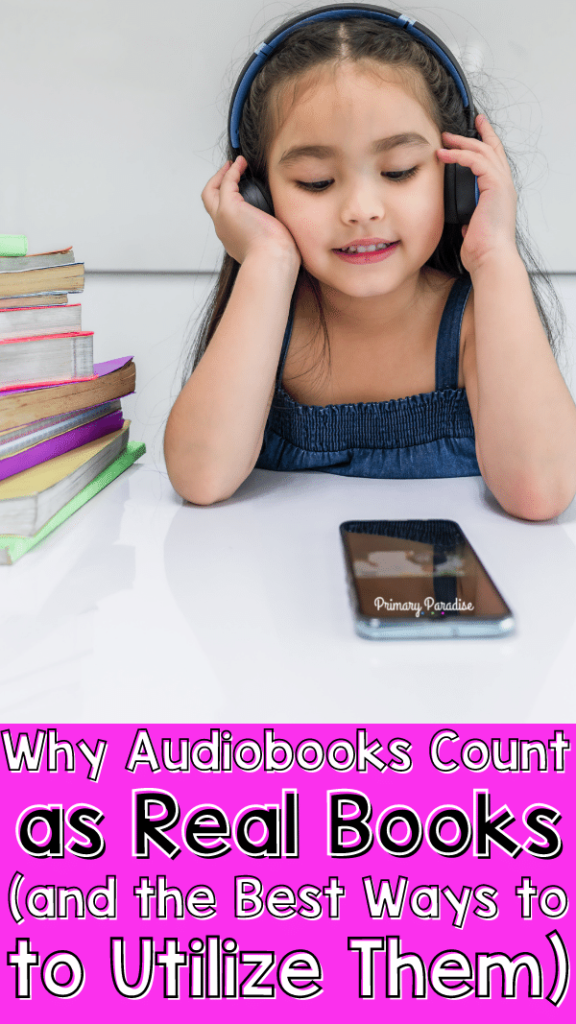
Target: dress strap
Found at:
448, 340
285, 344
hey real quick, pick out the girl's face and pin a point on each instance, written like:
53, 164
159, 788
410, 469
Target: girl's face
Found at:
354, 164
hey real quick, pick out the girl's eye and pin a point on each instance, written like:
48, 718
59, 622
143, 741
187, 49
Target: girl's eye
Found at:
320, 186
314, 186
399, 175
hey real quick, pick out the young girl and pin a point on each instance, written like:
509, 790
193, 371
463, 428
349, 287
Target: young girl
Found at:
354, 331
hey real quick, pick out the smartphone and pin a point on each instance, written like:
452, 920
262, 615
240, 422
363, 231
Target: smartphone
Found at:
419, 578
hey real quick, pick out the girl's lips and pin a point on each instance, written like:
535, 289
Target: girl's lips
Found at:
366, 257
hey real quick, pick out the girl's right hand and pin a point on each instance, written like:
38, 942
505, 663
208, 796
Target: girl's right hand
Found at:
242, 228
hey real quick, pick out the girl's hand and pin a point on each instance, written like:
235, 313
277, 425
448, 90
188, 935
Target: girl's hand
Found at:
242, 228
492, 228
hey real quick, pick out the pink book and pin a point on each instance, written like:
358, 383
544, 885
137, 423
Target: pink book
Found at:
52, 338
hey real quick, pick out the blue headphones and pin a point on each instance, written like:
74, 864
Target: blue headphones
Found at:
460, 185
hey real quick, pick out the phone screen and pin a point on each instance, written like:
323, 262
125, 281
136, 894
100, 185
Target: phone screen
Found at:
418, 569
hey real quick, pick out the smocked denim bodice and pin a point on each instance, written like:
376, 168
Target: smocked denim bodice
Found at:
424, 435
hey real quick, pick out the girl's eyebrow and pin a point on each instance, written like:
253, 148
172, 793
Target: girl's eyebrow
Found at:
380, 146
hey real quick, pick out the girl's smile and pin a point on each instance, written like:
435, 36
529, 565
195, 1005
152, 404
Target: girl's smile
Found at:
366, 250
353, 167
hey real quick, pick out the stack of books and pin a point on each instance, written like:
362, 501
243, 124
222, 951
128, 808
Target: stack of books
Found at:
62, 434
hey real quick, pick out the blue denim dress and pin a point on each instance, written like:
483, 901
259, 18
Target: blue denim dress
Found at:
425, 435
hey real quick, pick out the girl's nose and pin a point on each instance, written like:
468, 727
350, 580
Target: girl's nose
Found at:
362, 202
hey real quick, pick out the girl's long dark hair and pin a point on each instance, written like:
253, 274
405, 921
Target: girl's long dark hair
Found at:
359, 40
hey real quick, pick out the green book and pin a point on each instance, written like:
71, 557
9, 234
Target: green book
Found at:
13, 245
13, 547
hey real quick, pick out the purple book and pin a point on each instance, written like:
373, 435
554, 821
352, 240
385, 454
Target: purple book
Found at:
59, 445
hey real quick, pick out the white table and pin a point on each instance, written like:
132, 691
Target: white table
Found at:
143, 608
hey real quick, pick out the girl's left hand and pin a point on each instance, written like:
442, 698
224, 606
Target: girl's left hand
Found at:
492, 228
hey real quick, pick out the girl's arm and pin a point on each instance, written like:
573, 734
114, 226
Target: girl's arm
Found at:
215, 429
523, 413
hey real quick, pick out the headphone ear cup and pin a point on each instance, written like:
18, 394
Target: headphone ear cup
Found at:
460, 194
256, 193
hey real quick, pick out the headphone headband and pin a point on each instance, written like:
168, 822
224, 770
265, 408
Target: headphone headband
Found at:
339, 11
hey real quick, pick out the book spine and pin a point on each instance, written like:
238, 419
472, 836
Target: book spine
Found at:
75, 438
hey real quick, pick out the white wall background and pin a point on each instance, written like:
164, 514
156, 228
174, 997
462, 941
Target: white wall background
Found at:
112, 112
